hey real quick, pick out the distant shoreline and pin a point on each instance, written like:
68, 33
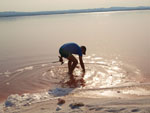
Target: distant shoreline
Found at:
16, 14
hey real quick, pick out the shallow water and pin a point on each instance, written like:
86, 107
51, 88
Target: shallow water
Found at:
100, 73
118, 47
103, 78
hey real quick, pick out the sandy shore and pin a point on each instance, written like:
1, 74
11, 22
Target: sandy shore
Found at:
72, 104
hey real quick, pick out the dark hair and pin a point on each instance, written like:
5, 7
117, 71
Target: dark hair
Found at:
84, 48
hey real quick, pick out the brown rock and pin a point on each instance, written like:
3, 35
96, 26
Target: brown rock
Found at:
61, 101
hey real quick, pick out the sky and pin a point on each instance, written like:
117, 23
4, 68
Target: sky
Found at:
48, 5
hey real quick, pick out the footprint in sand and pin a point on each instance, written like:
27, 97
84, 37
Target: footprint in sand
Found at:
96, 108
115, 110
135, 110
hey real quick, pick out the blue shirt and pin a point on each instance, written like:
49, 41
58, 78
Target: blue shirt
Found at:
72, 48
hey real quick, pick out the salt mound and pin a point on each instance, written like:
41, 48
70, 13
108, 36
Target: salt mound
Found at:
26, 99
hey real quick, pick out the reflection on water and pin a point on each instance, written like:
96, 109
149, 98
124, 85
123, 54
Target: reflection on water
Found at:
106, 73
101, 74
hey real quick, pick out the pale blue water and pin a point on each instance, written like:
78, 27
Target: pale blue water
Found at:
120, 40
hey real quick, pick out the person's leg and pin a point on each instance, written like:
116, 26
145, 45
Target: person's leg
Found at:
69, 65
72, 63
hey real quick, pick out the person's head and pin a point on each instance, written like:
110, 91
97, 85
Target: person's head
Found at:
83, 48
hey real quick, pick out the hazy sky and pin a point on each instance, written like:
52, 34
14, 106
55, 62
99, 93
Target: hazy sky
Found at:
40, 5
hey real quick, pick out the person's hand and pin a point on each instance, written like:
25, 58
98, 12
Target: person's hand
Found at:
61, 60
83, 72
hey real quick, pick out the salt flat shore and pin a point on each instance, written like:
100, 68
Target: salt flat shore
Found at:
76, 104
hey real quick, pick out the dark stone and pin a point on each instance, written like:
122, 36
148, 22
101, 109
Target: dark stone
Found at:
60, 101
135, 110
76, 105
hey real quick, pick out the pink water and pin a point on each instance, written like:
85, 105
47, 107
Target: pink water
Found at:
118, 50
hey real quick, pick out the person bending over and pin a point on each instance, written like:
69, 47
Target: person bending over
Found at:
67, 50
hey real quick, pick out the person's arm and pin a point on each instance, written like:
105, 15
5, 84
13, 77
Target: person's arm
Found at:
61, 59
81, 63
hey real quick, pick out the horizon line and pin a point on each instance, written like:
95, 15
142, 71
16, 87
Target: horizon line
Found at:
71, 11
